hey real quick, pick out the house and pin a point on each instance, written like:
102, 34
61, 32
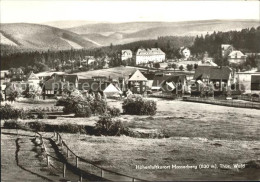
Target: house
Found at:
226, 49
58, 83
244, 80
154, 55
185, 52
236, 57
126, 54
16, 73
255, 84
4, 76
220, 77
137, 82
47, 74
176, 84
92, 85
32, 79
112, 91
158, 80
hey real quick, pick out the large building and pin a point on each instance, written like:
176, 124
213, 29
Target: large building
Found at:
126, 54
154, 55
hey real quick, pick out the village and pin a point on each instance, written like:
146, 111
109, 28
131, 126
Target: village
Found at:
152, 76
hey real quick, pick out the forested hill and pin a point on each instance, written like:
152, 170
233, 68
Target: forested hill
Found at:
246, 40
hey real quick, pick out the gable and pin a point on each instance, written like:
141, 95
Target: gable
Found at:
138, 76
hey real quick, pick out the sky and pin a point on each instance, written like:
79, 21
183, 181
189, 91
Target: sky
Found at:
37, 11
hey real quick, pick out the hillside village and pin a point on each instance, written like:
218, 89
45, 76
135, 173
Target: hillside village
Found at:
152, 74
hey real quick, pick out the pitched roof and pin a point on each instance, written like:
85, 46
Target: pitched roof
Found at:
138, 76
225, 46
214, 73
152, 51
127, 51
111, 88
32, 76
236, 54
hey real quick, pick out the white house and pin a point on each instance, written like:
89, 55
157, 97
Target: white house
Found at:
244, 79
154, 55
236, 57
126, 54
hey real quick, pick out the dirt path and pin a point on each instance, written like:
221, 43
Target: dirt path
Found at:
15, 151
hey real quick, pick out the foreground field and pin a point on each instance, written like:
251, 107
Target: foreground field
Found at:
198, 134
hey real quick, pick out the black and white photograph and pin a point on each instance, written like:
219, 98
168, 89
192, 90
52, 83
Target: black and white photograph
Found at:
128, 90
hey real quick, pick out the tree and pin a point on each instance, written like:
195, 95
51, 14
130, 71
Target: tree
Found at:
189, 67
196, 66
174, 66
157, 65
181, 68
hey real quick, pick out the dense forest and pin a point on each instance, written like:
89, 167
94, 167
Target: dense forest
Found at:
42, 61
246, 40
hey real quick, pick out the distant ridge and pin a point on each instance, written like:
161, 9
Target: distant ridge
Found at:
41, 37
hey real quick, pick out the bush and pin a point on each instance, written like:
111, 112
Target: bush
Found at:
82, 110
98, 107
69, 128
136, 105
113, 111
8, 112
107, 126
14, 124
37, 126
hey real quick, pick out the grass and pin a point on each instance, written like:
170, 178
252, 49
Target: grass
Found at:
199, 134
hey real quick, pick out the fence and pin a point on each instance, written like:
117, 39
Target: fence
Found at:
100, 172
164, 96
223, 102
249, 98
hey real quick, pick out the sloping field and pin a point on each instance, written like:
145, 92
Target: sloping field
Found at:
198, 134
115, 72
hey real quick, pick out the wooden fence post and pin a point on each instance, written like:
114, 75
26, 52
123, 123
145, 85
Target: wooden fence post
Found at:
48, 161
67, 152
133, 180
80, 177
64, 170
101, 173
77, 162
57, 137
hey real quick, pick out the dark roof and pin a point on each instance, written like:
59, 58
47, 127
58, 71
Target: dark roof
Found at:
255, 79
71, 78
149, 76
91, 84
214, 73
159, 80
176, 78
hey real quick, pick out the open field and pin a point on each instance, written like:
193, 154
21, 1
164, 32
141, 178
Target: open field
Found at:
198, 134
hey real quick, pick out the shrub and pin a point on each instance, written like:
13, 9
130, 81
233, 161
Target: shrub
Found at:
113, 111
69, 128
42, 115
82, 110
98, 107
107, 126
136, 105
14, 124
37, 126
8, 112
